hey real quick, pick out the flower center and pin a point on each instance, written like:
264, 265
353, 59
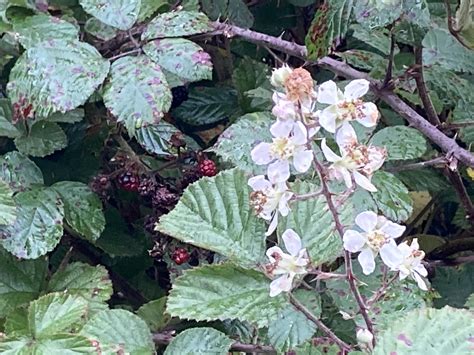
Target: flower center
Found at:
257, 200
350, 110
376, 239
282, 148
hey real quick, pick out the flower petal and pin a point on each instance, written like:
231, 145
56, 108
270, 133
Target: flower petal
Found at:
300, 133
355, 89
273, 225
328, 153
346, 175
283, 206
346, 136
302, 160
328, 93
327, 120
420, 282
353, 241
273, 250
279, 171
282, 128
391, 255
366, 220
367, 261
261, 154
420, 269
394, 230
364, 182
259, 183
292, 241
370, 115
282, 284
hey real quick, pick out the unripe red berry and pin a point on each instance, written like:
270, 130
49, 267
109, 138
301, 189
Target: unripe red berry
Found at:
180, 256
207, 168
128, 181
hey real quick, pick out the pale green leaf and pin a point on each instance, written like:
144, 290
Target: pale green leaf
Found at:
39, 225
401, 142
43, 139
234, 11
177, 24
59, 344
224, 292
55, 313
470, 302
236, 142
181, 57
57, 75
138, 93
208, 105
428, 331
7, 129
20, 281
361, 59
440, 47
119, 329
19, 171
199, 341
215, 214
7, 205
35, 29
73, 116
153, 313
149, 7
314, 223
392, 197
121, 14
82, 208
90, 282
450, 87
378, 39
462, 115
156, 138
99, 29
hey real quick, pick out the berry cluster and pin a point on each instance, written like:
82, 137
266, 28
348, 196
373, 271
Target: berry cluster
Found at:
128, 181
207, 167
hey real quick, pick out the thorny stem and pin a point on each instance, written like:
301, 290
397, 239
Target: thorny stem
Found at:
347, 256
307, 196
345, 348
388, 74
461, 191
381, 291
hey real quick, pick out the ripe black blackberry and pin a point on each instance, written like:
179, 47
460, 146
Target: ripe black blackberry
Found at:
128, 181
163, 197
180, 94
101, 185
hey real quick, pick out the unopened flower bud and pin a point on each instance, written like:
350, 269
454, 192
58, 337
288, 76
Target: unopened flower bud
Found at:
364, 336
280, 75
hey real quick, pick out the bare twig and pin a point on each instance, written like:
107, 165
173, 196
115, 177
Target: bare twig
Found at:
124, 54
422, 164
451, 247
165, 337
461, 191
391, 58
345, 348
422, 89
307, 196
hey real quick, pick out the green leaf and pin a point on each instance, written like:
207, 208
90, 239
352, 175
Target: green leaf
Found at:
7, 129
73, 116
236, 142
57, 75
64, 344
43, 139
328, 28
99, 29
177, 24
19, 171
20, 281
361, 59
234, 11
119, 329
222, 292
35, 29
149, 7
215, 214
121, 14
181, 57
378, 39
392, 197
440, 47
291, 328
249, 75
153, 313
7, 205
314, 223
399, 298
156, 138
401, 142
445, 331
454, 284
199, 341
462, 115
208, 105
450, 87
54, 313
82, 208
39, 225
470, 302
138, 93
90, 282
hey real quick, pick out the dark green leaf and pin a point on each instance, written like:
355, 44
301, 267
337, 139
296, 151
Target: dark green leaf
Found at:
43, 139
7, 129
19, 171
154, 314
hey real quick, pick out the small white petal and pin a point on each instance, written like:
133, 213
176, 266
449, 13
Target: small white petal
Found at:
394, 230
328, 93
261, 154
367, 261
370, 115
420, 269
273, 250
328, 153
259, 183
391, 255
355, 89
366, 220
302, 160
292, 241
353, 241
364, 182
346, 175
279, 171
300, 134
281, 128
346, 136
283, 206
282, 284
273, 225
420, 282
327, 120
